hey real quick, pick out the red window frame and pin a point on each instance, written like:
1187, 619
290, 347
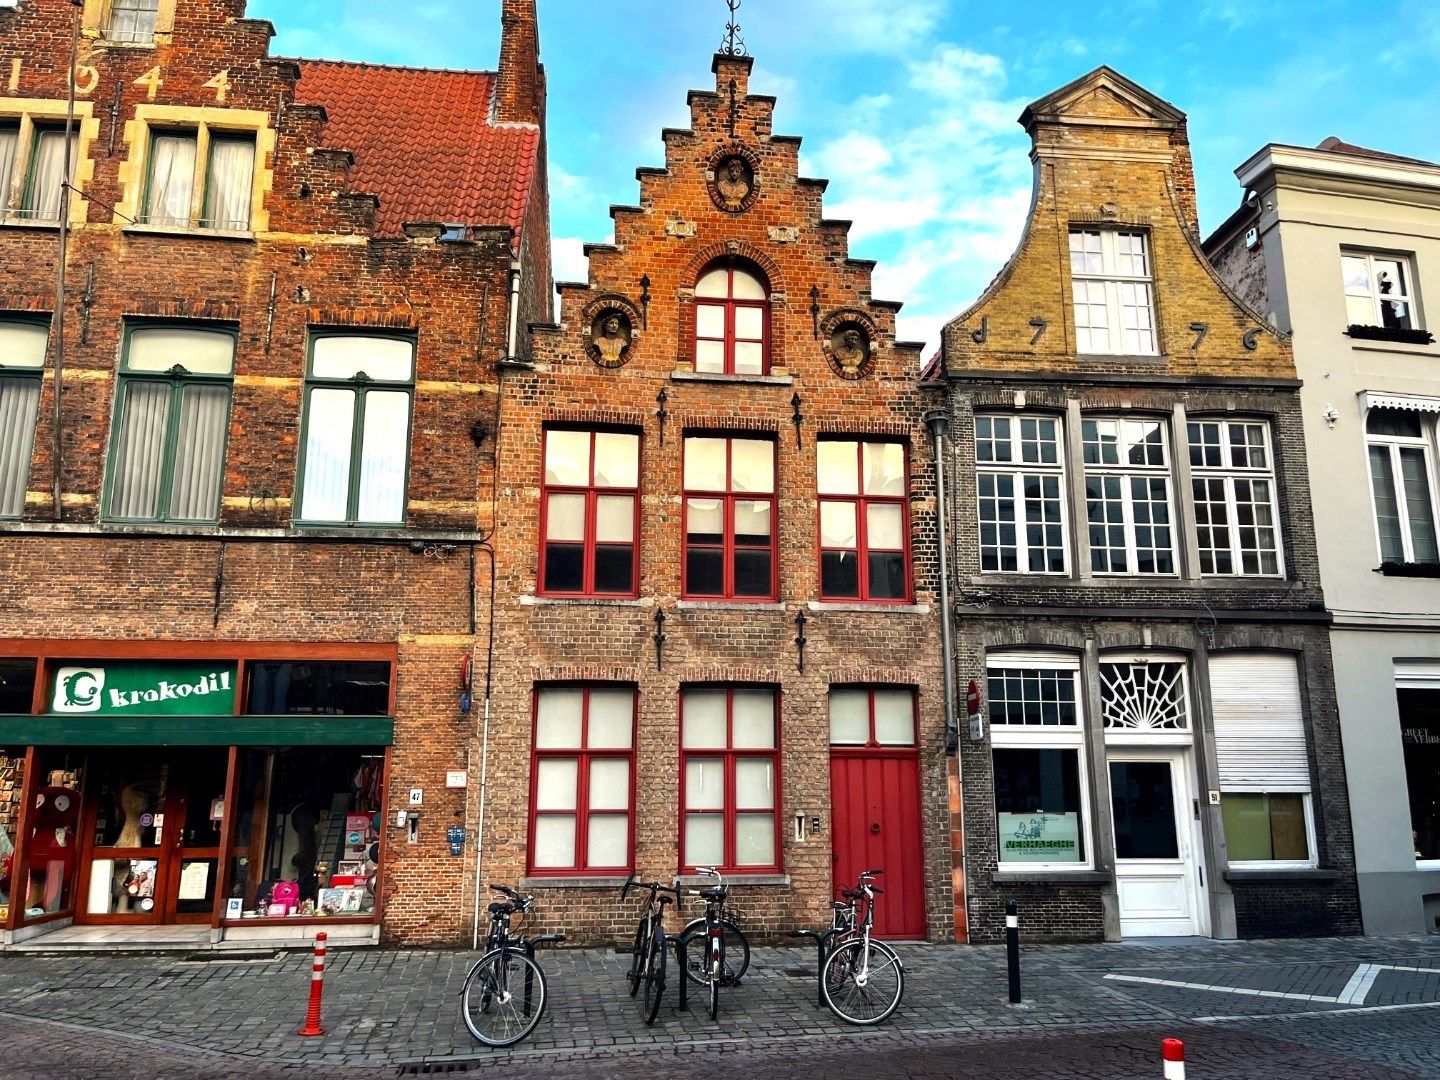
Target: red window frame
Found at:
871, 743
583, 756
728, 498
862, 502
730, 303
729, 755
591, 493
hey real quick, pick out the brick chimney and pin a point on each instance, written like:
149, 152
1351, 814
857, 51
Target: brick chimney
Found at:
520, 89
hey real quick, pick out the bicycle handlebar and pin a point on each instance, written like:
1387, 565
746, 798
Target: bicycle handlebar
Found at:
872, 873
653, 886
505, 890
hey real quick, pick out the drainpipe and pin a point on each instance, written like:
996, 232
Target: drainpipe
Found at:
938, 423
514, 326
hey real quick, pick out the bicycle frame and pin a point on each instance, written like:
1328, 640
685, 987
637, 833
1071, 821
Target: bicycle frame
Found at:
714, 938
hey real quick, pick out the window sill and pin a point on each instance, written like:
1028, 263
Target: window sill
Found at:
1258, 876
877, 607
580, 881
729, 605
531, 600
721, 377
1384, 336
1051, 877
140, 229
1121, 358
1400, 347
25, 223
1409, 569
691, 881
105, 43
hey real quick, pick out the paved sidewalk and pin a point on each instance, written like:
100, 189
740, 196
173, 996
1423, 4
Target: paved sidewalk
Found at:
388, 1009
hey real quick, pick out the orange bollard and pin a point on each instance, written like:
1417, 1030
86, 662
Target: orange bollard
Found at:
317, 986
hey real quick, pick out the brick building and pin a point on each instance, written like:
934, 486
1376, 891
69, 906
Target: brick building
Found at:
239, 559
716, 639
1138, 594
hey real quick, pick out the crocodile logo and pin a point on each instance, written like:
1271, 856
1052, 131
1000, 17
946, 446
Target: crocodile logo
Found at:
77, 689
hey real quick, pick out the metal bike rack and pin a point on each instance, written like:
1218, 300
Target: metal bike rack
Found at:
822, 949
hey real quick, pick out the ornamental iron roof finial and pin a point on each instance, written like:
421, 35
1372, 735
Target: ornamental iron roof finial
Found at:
734, 43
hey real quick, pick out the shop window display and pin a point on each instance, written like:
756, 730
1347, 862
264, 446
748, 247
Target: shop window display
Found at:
307, 833
12, 765
52, 842
288, 688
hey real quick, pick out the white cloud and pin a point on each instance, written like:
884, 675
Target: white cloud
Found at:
844, 26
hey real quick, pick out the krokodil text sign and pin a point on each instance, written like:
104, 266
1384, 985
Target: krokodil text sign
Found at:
179, 688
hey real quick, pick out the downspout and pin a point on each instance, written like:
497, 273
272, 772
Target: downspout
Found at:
514, 320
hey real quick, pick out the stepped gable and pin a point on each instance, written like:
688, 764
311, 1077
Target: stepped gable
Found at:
1108, 153
424, 143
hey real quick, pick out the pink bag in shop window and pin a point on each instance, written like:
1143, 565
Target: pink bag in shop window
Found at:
284, 898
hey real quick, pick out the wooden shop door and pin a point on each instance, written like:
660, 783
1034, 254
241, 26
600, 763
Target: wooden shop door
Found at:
876, 823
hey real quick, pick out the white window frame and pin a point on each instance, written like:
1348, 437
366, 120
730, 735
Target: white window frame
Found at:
1119, 736
1393, 444
1018, 471
1127, 472
1113, 284
1017, 737
1228, 473
1376, 298
1416, 675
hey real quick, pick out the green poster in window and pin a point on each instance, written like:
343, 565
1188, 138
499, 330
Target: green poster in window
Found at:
1039, 838
183, 688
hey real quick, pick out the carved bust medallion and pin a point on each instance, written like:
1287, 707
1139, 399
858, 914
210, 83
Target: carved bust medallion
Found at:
610, 334
730, 178
848, 346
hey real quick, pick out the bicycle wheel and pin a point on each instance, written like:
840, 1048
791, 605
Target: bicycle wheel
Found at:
655, 976
715, 976
503, 997
862, 983
638, 954
737, 954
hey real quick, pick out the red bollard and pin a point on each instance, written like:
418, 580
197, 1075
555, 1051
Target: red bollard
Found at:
317, 986
1172, 1052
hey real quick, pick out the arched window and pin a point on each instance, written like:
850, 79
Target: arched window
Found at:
732, 321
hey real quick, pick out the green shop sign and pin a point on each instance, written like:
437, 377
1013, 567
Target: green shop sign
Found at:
191, 688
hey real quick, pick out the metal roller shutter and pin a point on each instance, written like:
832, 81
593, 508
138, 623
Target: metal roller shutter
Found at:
1259, 726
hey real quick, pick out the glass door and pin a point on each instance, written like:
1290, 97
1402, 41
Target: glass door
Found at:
127, 828
198, 821
1155, 854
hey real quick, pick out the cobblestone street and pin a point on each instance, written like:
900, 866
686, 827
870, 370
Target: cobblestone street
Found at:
1336, 1008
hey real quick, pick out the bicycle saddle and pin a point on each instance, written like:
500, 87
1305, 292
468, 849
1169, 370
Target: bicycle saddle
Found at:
496, 909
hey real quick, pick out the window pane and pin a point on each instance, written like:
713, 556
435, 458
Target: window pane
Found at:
753, 719
837, 525
705, 783
709, 356
749, 323
1247, 827
752, 465
1420, 739
328, 424
714, 283
564, 567
1387, 505
202, 352
567, 458
140, 450
1142, 794
199, 453
704, 719
609, 784
382, 358
172, 180
608, 842
1037, 804
749, 358
19, 406
705, 572
1393, 422
754, 839
383, 457
849, 717
557, 719
617, 460
705, 521
1356, 272
894, 717
555, 841
884, 526
22, 344
839, 574
884, 469
887, 575
753, 575
565, 517
612, 719
836, 468
704, 464
9, 141
1287, 827
710, 320
555, 783
232, 170
1417, 504
704, 839
752, 522
754, 783
746, 286
614, 518
615, 569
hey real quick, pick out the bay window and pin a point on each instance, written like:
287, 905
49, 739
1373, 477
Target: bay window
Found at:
1402, 482
357, 430
582, 780
172, 418
729, 766
591, 513
1233, 479
1127, 492
864, 520
729, 518
22, 362
1020, 490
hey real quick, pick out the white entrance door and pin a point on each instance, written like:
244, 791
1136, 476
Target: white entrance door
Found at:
1157, 863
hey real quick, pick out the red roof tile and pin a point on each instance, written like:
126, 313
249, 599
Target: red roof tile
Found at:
423, 142
1336, 146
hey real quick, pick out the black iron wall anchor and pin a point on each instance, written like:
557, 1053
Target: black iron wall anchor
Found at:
660, 414
659, 638
981, 335
645, 301
1040, 326
797, 418
800, 639
87, 301
1199, 329
815, 311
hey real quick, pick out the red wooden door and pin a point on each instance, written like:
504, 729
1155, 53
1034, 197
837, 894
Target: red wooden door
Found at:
875, 821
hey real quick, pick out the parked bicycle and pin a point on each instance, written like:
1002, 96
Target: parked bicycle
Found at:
648, 956
504, 994
861, 979
725, 954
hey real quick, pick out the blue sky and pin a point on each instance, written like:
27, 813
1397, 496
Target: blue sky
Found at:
909, 108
